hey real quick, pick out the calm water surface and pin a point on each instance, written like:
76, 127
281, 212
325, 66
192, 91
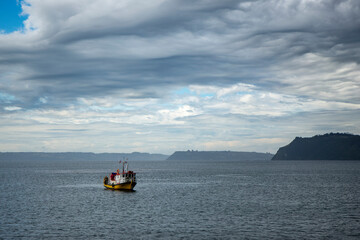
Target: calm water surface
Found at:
181, 200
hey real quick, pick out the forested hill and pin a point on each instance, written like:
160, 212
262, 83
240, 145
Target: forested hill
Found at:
80, 156
218, 156
331, 146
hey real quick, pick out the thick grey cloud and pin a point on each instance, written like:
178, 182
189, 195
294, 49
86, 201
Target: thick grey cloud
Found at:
125, 45
121, 58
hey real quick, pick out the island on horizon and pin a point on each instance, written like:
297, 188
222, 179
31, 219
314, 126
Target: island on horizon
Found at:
191, 155
330, 146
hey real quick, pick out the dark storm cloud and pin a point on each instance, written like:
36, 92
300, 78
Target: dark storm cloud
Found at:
81, 49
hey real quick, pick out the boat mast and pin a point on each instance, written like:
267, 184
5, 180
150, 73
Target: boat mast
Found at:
125, 163
126, 166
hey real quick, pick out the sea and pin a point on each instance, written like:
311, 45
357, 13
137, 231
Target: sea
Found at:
181, 200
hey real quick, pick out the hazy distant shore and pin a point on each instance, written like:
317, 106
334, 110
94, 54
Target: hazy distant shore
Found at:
135, 156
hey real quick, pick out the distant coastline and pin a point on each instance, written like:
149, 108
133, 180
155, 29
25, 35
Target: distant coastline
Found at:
218, 156
330, 146
135, 156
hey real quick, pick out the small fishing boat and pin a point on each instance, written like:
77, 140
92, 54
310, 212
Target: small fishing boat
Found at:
125, 180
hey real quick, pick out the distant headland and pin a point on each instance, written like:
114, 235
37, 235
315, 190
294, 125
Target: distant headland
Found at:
218, 156
330, 146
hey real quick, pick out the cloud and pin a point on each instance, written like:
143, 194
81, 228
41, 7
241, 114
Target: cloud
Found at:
185, 65
12, 108
121, 45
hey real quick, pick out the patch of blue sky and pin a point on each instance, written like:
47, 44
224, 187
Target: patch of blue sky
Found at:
186, 91
6, 98
11, 17
183, 91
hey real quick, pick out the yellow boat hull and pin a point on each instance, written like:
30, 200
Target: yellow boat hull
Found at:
122, 186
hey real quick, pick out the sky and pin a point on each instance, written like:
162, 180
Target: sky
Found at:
169, 75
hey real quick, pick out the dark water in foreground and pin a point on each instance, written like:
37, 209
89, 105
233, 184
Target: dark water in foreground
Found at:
181, 200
